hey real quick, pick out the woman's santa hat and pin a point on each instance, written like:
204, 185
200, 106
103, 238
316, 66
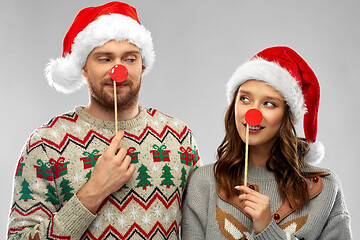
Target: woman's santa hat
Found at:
287, 72
93, 27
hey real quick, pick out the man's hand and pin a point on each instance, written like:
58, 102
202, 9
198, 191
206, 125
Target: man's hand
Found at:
112, 170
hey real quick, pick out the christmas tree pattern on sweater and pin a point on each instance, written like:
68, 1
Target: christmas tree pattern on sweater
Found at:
59, 157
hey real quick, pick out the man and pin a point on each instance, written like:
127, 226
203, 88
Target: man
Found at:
73, 181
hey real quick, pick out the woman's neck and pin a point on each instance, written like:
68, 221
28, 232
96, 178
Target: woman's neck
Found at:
259, 155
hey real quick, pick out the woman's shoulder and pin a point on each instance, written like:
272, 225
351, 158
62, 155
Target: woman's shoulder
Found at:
329, 176
202, 176
204, 172
200, 186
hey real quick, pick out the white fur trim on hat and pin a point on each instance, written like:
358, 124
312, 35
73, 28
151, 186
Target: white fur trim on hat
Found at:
316, 153
65, 74
274, 75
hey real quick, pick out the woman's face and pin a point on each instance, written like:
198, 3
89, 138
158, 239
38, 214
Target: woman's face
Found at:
259, 95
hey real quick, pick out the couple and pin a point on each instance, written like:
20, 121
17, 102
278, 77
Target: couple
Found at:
79, 179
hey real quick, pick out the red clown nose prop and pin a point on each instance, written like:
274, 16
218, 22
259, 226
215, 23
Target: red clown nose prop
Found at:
119, 73
253, 117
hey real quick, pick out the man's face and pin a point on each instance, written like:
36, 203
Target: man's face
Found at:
97, 72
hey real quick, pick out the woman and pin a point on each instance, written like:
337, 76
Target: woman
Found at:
286, 197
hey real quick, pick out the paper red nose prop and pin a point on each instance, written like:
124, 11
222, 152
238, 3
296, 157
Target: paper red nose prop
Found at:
119, 73
253, 117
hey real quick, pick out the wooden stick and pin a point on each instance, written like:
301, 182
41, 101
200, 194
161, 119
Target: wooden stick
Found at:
115, 106
246, 154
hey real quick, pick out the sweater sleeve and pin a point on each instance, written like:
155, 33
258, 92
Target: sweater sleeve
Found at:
194, 209
273, 231
338, 224
36, 212
191, 227
197, 159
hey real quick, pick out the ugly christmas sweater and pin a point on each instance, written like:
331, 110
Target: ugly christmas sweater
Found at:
209, 214
57, 161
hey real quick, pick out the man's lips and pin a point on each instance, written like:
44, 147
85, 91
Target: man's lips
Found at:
118, 85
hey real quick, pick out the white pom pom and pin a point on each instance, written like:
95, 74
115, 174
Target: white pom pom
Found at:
316, 153
65, 74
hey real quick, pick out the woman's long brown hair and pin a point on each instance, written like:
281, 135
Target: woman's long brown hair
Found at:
286, 161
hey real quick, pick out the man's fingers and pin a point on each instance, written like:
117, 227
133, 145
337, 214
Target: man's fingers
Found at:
115, 142
128, 168
126, 162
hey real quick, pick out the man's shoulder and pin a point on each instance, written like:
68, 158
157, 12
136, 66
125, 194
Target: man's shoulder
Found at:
51, 128
157, 115
69, 116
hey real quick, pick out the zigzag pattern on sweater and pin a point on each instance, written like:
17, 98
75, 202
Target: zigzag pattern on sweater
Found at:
119, 204
91, 135
135, 229
50, 232
144, 203
26, 212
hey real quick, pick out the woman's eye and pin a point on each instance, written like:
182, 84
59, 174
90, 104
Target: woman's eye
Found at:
269, 104
244, 99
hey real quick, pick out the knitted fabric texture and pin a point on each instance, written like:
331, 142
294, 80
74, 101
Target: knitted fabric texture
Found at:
207, 216
58, 159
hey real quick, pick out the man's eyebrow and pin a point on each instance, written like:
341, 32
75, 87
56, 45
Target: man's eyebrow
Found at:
133, 52
100, 53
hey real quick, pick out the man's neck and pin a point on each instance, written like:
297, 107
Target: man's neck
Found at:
107, 114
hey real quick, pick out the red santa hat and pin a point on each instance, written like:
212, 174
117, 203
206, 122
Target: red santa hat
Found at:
287, 72
93, 27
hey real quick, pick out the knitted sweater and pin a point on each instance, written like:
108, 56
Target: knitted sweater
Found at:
208, 214
57, 161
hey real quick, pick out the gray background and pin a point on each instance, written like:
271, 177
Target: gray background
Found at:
199, 43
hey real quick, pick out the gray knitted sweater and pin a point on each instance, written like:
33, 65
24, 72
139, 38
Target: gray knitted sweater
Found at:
208, 214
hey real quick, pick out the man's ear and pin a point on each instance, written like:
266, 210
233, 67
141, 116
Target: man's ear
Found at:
85, 71
143, 69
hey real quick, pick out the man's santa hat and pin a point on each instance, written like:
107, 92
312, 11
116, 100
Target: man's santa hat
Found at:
93, 27
287, 72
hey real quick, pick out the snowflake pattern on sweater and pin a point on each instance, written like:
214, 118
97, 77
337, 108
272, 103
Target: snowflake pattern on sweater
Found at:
58, 159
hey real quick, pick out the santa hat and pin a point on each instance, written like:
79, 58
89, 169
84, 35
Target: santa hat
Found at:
93, 27
287, 72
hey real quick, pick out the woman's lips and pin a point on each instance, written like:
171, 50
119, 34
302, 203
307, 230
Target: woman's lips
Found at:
254, 129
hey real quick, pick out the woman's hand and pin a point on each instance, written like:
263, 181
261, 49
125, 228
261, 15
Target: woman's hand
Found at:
257, 206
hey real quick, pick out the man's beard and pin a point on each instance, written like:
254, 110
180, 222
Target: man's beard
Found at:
125, 99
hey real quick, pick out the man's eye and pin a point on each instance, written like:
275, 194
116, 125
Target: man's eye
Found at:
104, 59
130, 60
